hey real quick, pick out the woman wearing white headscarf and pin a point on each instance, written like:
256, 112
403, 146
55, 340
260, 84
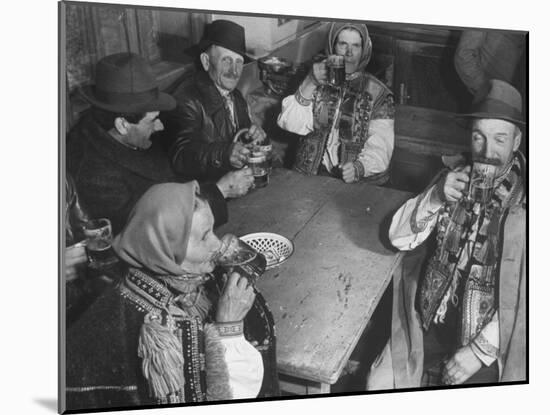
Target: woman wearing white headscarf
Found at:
168, 333
359, 145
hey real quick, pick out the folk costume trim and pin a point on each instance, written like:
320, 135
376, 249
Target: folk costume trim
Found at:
464, 268
230, 329
365, 98
172, 344
300, 99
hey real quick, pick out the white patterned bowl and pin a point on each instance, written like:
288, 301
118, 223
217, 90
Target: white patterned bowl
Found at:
276, 248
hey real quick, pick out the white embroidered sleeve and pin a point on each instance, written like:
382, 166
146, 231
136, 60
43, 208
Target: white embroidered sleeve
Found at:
295, 117
401, 234
486, 345
245, 367
378, 149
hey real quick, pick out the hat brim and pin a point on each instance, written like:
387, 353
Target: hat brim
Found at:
163, 102
200, 47
490, 115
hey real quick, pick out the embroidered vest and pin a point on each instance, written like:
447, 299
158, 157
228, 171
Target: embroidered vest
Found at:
152, 298
463, 272
364, 96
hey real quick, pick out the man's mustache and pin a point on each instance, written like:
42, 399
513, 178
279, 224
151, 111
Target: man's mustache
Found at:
486, 160
231, 75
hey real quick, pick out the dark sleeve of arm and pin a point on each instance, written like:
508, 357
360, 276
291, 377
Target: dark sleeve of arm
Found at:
194, 151
217, 202
115, 203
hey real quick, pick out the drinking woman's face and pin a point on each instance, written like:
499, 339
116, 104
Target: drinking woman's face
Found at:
203, 243
349, 44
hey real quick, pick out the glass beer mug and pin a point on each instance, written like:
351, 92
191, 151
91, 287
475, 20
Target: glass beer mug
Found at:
237, 256
257, 162
336, 70
482, 178
99, 238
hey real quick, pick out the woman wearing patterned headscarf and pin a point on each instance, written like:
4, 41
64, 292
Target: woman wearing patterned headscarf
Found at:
167, 333
351, 136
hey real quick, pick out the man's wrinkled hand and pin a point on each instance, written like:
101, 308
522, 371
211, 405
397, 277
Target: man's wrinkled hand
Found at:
319, 72
75, 258
236, 183
348, 173
239, 155
316, 76
454, 185
461, 366
236, 300
256, 134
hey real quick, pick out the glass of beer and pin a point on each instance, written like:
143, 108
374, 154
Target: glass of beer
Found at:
237, 256
258, 163
99, 238
336, 70
482, 177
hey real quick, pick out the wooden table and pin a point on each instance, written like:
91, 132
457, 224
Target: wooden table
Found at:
323, 296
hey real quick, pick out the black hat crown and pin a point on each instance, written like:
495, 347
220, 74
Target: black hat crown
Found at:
224, 33
125, 82
498, 100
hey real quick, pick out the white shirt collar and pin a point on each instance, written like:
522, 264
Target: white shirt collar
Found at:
225, 93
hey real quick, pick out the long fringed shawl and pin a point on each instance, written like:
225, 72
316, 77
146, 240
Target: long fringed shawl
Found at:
162, 358
182, 358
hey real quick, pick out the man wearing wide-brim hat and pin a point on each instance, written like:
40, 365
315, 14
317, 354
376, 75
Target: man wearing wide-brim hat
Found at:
460, 317
211, 110
110, 153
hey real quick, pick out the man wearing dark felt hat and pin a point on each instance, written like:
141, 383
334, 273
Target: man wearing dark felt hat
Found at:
459, 317
211, 110
110, 153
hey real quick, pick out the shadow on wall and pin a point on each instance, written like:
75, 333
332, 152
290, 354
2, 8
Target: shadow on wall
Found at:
172, 48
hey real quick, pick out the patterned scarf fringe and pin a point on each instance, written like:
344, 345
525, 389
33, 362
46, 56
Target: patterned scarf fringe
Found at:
162, 358
441, 312
217, 374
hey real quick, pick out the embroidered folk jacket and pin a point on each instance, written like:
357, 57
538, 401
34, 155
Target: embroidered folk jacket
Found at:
103, 367
366, 99
401, 363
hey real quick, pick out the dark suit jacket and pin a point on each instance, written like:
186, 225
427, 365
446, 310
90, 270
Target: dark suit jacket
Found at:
199, 132
111, 177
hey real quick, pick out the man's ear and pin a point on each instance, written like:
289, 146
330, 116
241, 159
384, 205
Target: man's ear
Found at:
517, 140
205, 61
121, 125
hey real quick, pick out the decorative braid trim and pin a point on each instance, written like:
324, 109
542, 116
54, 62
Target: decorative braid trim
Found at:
230, 329
145, 292
300, 99
359, 170
485, 347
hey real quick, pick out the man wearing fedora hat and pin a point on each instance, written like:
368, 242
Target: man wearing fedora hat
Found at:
211, 110
466, 321
110, 153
